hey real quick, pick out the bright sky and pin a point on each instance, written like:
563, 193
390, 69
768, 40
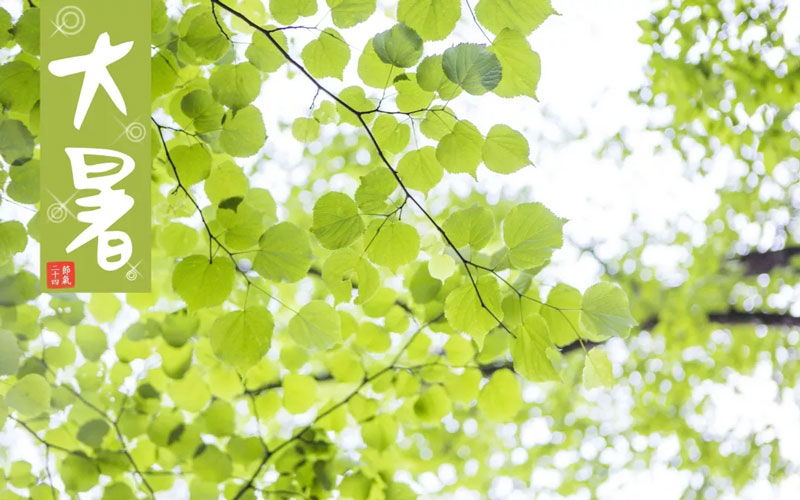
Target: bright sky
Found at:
590, 61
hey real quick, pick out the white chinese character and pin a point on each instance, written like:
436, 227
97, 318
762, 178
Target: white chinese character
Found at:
109, 204
94, 66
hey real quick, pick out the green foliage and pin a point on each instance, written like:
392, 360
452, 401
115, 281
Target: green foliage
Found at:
505, 150
235, 85
523, 17
530, 350
597, 372
242, 338
30, 395
352, 296
500, 399
327, 55
284, 253
420, 170
399, 46
472, 67
203, 283
337, 222
431, 19
521, 65
531, 233
605, 311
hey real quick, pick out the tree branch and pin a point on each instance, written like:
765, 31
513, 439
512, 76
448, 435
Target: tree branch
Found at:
269, 453
757, 317
763, 262
381, 154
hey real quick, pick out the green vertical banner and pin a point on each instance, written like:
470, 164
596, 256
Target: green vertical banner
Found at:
95, 145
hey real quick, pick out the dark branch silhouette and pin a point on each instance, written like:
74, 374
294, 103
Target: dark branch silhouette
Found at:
764, 262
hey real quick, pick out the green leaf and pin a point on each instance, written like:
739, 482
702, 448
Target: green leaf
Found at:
227, 180
284, 253
104, 307
338, 270
392, 243
17, 144
78, 472
465, 313
521, 65
380, 433
472, 67
473, 226
531, 233
242, 338
563, 324
399, 46
432, 19
433, 405
176, 238
24, 185
420, 170
460, 150
30, 395
372, 337
163, 77
175, 361
158, 16
190, 392
327, 55
371, 69
244, 134
91, 341
18, 288
203, 37
605, 311
201, 283
193, 163
206, 113
219, 418
26, 32
390, 134
212, 464
263, 54
501, 398
118, 491
10, 353
357, 100
496, 15
5, 27
13, 239
431, 77
355, 486
93, 432
235, 85
305, 129
400, 491
299, 393
337, 222
438, 123
597, 370
529, 350
348, 13
505, 150
459, 350
287, 11
19, 86
20, 475
410, 96
375, 188
316, 326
